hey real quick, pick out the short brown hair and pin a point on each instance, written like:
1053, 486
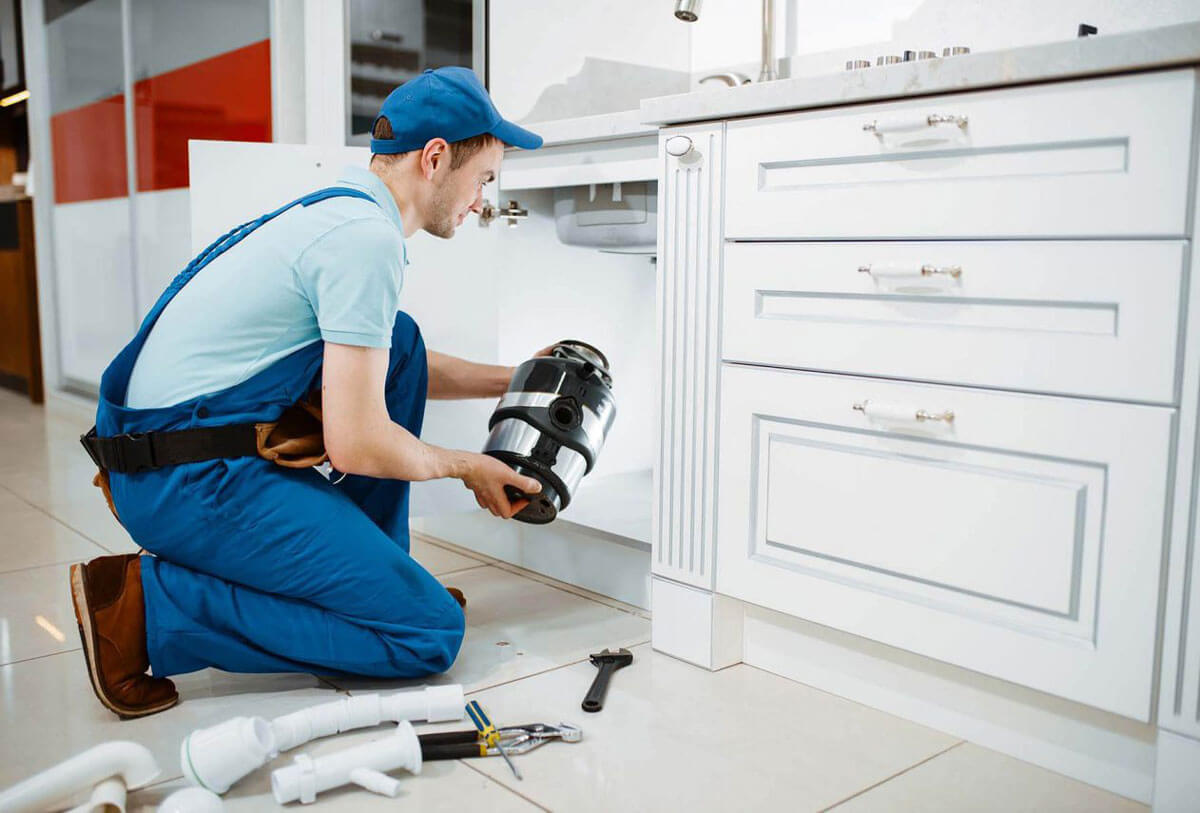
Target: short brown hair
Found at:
460, 151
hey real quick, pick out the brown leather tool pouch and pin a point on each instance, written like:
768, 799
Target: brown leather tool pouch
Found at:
100, 481
297, 439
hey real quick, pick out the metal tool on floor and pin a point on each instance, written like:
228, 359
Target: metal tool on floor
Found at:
520, 739
608, 662
489, 734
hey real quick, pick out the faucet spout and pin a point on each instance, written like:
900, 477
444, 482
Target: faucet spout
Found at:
768, 72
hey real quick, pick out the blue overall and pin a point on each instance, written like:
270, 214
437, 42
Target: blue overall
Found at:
261, 568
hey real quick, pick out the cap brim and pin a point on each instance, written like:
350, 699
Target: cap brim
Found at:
515, 136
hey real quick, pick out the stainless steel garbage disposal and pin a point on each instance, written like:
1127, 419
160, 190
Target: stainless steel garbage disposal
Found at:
552, 423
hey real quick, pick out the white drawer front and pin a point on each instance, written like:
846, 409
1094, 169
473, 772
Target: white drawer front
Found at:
1096, 318
1021, 539
1090, 158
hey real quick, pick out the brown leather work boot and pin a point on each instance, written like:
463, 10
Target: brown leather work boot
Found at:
111, 612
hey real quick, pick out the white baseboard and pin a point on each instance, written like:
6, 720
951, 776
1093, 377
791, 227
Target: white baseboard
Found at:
1177, 775
1096, 747
603, 563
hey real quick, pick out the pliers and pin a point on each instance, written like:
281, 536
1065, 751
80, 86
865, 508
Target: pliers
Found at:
518, 739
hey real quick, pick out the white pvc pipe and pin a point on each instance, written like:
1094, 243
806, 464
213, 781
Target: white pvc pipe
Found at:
432, 704
217, 757
133, 764
365, 765
107, 797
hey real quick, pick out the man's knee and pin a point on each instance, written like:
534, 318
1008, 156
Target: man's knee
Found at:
429, 649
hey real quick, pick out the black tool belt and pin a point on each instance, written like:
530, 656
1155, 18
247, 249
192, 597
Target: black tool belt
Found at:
145, 451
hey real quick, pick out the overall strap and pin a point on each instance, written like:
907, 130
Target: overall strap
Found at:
115, 380
236, 235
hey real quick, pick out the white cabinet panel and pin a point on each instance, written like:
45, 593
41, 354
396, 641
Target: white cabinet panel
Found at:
1090, 158
94, 283
1097, 318
1021, 539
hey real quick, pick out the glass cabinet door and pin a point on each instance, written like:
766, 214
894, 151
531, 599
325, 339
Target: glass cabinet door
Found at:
90, 213
391, 41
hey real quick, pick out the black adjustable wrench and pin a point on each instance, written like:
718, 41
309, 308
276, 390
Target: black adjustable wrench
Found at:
608, 662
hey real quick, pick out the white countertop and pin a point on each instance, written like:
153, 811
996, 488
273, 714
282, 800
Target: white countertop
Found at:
1089, 56
623, 124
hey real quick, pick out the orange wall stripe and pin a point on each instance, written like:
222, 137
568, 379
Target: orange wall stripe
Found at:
88, 146
226, 97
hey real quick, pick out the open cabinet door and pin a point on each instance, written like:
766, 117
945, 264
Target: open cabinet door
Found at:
450, 286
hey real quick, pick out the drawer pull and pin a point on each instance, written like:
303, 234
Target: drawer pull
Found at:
951, 271
908, 126
899, 412
679, 146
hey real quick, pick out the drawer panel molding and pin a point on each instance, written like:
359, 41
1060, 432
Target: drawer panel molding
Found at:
1097, 319
1016, 535
1091, 158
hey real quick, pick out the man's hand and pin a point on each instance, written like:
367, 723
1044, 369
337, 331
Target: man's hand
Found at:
487, 477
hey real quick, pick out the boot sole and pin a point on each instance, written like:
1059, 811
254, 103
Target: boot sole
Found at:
87, 635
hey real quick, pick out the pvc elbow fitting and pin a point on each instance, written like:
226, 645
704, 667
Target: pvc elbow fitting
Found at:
126, 763
216, 757
364, 765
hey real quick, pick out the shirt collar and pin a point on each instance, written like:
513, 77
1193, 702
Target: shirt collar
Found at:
369, 182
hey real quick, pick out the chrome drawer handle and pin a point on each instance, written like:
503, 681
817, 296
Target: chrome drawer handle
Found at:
679, 146
899, 412
951, 271
905, 126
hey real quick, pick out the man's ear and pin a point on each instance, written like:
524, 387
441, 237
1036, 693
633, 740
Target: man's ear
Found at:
436, 151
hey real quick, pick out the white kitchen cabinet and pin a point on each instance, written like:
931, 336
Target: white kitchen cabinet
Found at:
1098, 318
1020, 537
1095, 158
956, 407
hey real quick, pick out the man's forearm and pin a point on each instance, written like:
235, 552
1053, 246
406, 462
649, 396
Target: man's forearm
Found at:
452, 377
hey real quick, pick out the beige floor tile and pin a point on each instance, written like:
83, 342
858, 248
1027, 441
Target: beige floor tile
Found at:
451, 787
438, 560
66, 493
31, 538
969, 777
676, 737
518, 627
36, 617
50, 713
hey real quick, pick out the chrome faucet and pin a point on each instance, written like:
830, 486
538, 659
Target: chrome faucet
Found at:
689, 12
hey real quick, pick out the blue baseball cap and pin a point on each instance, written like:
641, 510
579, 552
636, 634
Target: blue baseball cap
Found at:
449, 103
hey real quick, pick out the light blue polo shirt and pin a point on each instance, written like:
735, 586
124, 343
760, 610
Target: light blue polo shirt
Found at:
329, 271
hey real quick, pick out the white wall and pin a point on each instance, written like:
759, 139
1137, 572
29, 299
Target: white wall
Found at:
821, 36
549, 59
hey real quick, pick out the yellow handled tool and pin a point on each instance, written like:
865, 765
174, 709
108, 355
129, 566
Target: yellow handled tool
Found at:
489, 733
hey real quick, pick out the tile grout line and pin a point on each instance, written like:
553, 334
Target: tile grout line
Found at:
506, 787
456, 571
38, 567
893, 776
41, 657
548, 581
542, 672
59, 520
488, 687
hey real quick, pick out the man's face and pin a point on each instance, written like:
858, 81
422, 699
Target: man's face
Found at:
458, 192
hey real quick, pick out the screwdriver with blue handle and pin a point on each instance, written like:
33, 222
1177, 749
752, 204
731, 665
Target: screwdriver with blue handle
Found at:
489, 733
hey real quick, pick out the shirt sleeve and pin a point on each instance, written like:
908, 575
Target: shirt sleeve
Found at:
352, 276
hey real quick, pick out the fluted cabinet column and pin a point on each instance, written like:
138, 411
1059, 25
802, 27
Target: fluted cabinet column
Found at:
690, 622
